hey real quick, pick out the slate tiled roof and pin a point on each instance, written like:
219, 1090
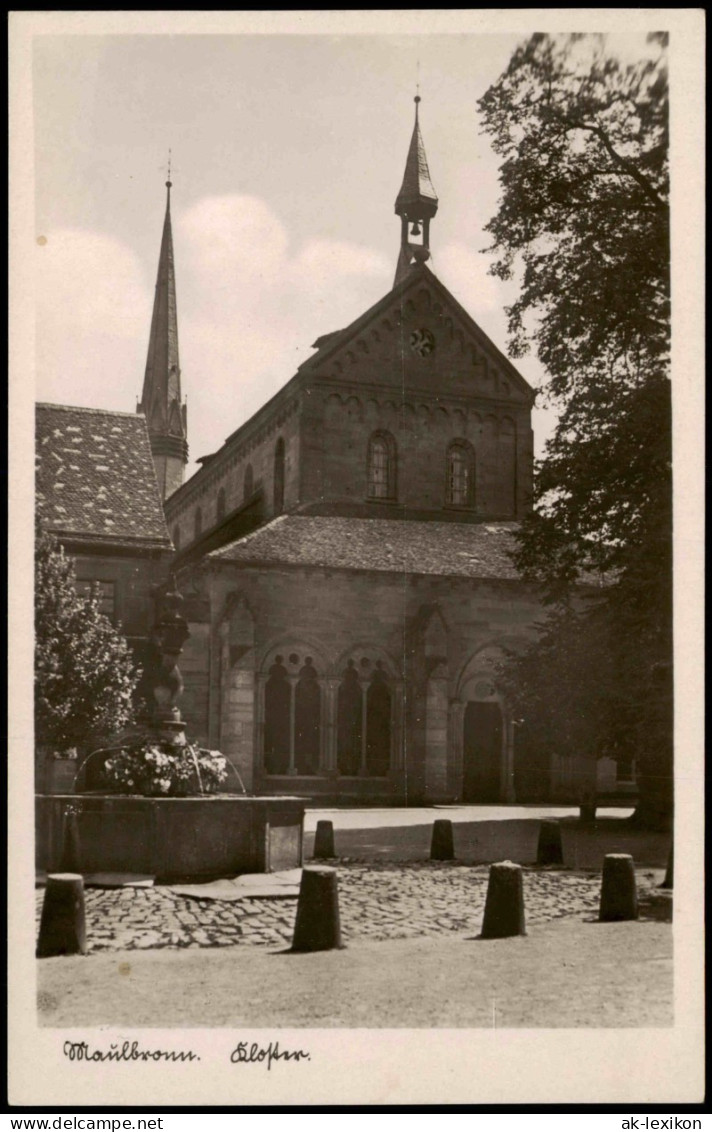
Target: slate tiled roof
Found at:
95, 476
470, 550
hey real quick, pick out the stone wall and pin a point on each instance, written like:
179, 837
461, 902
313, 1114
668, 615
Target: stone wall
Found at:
133, 577
227, 472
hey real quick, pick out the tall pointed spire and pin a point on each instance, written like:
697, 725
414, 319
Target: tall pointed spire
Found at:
161, 403
416, 204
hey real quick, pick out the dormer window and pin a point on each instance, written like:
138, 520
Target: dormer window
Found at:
460, 475
382, 466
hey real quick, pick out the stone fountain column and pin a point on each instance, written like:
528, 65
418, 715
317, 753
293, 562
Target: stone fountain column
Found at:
162, 683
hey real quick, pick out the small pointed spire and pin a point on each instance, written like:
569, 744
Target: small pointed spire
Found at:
161, 398
417, 190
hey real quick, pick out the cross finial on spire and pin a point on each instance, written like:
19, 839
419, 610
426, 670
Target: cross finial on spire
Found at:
169, 182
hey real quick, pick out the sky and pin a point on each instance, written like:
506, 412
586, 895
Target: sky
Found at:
287, 155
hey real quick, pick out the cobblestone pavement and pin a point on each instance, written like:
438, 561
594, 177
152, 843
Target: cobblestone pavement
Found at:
376, 902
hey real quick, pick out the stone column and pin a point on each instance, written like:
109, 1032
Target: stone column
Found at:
331, 713
292, 705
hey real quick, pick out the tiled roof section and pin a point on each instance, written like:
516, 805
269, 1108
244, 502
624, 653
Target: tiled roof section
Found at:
470, 550
95, 476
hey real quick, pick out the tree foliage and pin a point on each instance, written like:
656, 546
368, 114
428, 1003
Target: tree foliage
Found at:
583, 227
84, 672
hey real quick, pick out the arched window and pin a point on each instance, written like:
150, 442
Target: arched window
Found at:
279, 477
364, 721
176, 538
307, 720
460, 473
277, 719
220, 508
248, 483
349, 722
292, 714
378, 723
381, 466
198, 523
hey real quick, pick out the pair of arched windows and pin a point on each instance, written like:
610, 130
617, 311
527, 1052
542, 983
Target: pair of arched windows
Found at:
293, 720
292, 736
459, 471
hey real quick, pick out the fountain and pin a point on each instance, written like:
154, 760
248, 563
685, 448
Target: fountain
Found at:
159, 811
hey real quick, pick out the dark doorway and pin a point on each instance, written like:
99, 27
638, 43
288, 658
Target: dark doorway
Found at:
482, 752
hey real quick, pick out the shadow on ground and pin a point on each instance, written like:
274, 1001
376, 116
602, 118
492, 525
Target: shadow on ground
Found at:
480, 842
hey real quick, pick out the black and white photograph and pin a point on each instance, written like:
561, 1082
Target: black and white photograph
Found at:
356, 395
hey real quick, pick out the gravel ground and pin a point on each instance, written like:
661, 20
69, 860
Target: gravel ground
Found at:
568, 973
377, 902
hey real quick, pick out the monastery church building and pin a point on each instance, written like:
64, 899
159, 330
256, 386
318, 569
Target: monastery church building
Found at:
344, 554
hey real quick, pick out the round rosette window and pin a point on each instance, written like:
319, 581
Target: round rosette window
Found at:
422, 342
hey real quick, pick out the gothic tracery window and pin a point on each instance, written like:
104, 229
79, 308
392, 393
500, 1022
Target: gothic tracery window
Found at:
198, 523
292, 716
307, 720
220, 507
364, 728
277, 719
349, 722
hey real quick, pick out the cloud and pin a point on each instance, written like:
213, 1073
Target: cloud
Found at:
250, 303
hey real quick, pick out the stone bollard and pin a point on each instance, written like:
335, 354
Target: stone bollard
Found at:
62, 926
619, 895
667, 882
504, 906
317, 926
71, 851
587, 809
442, 845
324, 840
549, 850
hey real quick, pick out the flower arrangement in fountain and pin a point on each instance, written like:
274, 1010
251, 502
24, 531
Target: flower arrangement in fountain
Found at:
163, 769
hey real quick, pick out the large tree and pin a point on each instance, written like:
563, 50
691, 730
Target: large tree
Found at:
84, 672
583, 229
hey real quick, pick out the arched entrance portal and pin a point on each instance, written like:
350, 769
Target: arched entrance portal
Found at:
481, 752
482, 731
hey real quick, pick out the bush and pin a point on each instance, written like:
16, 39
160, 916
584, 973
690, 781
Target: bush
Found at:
85, 676
163, 769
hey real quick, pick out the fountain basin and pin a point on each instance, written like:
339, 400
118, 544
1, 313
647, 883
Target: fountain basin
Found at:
171, 838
